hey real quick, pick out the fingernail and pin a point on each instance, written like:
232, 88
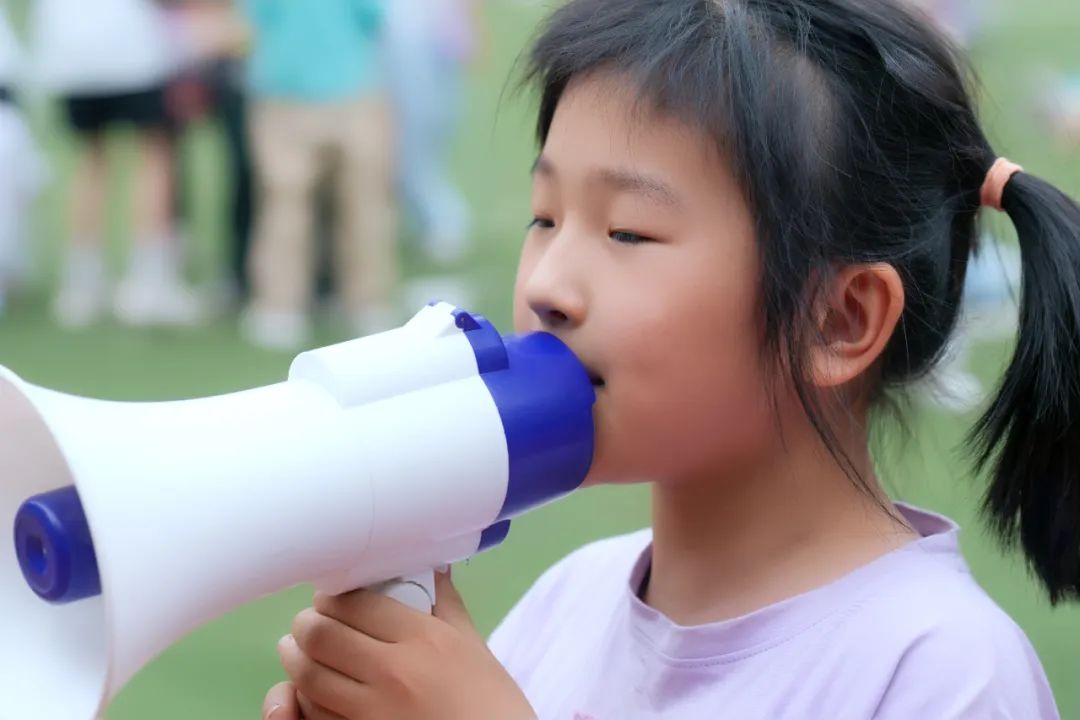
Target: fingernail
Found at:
285, 640
272, 711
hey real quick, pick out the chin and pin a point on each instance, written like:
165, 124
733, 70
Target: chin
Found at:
598, 474
603, 472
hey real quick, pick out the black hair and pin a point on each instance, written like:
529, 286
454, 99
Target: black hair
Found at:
852, 131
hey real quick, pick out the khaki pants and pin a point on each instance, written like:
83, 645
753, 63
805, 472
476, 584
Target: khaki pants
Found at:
294, 145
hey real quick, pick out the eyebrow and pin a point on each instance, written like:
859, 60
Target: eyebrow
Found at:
622, 180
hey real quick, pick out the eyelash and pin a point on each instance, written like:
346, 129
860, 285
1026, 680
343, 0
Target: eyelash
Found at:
619, 236
628, 238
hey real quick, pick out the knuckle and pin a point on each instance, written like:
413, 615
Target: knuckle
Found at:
324, 603
307, 676
301, 626
441, 641
313, 632
397, 676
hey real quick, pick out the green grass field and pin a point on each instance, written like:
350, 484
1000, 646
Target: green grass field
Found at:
222, 671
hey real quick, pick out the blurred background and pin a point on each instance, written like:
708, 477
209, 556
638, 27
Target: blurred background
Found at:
159, 160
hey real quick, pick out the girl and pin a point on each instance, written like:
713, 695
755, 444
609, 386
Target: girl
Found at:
752, 221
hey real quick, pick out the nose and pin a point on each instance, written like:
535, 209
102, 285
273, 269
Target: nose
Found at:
555, 290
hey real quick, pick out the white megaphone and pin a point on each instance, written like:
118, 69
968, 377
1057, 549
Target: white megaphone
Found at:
376, 461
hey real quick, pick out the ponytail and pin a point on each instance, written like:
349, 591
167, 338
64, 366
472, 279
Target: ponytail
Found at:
1030, 435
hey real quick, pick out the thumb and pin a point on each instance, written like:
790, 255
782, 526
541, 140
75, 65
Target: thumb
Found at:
449, 607
280, 703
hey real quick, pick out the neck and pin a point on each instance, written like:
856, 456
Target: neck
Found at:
727, 544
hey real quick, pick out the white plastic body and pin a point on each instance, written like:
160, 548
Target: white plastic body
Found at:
379, 458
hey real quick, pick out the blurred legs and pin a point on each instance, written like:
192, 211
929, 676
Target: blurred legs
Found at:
366, 253
81, 298
286, 140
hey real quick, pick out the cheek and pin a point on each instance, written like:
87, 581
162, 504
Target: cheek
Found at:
525, 319
703, 420
692, 392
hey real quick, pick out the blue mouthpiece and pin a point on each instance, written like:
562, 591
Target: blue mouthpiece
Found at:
54, 549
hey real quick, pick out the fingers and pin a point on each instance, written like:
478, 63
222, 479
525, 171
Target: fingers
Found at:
280, 703
311, 711
326, 688
334, 644
372, 614
449, 607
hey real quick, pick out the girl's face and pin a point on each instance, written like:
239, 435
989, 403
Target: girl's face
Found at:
642, 259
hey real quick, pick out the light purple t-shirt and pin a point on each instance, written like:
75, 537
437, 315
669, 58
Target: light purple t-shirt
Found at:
909, 636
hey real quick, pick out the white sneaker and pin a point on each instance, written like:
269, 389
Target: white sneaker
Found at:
82, 297
282, 331
153, 293
140, 303
374, 320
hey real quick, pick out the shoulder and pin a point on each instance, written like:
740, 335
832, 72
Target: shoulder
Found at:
957, 654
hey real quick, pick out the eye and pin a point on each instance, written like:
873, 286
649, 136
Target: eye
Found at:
540, 222
629, 238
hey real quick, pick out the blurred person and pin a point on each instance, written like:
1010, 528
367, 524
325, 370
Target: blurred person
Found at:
319, 111
751, 258
211, 85
23, 167
429, 43
109, 66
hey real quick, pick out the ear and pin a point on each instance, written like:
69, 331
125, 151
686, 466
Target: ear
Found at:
856, 317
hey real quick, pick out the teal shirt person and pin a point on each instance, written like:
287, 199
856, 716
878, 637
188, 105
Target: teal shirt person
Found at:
321, 51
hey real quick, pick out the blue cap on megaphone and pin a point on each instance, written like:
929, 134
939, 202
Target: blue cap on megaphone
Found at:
54, 548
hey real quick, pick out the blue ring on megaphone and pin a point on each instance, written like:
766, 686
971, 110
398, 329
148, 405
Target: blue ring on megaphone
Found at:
54, 548
545, 401
493, 535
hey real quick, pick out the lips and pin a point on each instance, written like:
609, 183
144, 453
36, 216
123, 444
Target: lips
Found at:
595, 377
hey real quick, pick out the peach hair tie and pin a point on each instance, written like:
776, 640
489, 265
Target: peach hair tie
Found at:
997, 177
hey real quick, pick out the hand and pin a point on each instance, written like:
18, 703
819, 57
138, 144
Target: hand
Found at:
281, 703
363, 656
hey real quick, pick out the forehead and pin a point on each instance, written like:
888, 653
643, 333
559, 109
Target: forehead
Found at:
602, 121
603, 127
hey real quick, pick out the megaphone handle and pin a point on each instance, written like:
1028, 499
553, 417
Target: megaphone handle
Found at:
417, 591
